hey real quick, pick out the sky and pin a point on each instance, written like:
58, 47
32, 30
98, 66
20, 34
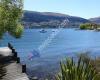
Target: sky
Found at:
81, 8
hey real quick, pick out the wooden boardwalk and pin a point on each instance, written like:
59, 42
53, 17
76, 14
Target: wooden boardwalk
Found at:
13, 69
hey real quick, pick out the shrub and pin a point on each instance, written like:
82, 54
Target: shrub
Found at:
18, 31
82, 26
86, 26
10, 17
79, 70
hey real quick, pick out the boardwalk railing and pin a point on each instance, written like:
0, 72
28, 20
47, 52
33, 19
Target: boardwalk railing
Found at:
17, 59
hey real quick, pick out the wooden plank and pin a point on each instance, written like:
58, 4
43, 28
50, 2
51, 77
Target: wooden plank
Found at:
14, 70
5, 51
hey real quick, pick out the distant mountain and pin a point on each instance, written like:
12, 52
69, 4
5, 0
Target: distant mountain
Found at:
49, 19
95, 20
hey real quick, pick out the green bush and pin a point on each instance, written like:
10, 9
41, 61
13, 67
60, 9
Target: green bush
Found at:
89, 26
82, 27
95, 62
17, 32
10, 17
79, 70
85, 26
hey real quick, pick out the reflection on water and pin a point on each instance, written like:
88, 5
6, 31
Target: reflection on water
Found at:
68, 42
33, 54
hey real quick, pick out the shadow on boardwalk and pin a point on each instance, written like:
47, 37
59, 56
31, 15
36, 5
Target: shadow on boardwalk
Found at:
10, 69
2, 70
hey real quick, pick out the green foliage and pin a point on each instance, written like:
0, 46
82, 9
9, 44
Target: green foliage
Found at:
89, 26
80, 70
10, 15
17, 32
95, 62
85, 26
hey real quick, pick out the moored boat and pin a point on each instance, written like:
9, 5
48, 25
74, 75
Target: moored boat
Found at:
43, 31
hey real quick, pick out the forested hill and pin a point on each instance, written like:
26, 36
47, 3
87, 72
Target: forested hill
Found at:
95, 20
38, 19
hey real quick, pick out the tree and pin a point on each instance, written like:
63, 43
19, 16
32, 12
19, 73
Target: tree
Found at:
86, 26
10, 17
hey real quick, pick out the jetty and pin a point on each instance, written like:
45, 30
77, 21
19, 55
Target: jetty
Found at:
14, 69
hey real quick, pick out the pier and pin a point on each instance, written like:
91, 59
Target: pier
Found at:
14, 69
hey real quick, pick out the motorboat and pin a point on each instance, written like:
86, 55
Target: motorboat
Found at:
53, 30
43, 31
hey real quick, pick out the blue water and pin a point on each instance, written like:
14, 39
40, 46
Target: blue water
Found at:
68, 42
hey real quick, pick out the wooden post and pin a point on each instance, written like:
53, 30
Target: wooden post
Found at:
18, 60
13, 50
15, 54
10, 46
24, 68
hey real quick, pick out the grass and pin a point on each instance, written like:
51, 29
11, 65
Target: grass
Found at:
85, 68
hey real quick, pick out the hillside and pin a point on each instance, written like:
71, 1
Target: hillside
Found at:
49, 19
96, 20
